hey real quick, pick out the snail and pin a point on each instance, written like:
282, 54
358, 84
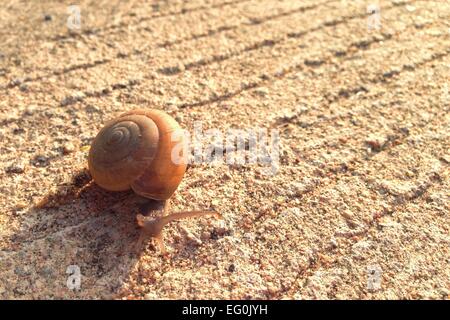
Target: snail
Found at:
143, 150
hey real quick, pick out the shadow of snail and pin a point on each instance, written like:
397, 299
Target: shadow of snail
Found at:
78, 224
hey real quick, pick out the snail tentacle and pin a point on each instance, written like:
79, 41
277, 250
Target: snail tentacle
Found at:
152, 227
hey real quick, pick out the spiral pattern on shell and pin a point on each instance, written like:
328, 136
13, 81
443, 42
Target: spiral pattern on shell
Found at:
120, 140
134, 151
122, 150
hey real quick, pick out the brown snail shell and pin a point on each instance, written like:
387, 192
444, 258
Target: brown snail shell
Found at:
135, 151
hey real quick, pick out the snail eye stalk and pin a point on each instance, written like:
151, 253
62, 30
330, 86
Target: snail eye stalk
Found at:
152, 227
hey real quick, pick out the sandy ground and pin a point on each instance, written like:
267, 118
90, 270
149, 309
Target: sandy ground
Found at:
362, 188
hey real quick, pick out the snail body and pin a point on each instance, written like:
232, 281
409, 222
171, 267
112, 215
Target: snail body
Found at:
135, 151
143, 150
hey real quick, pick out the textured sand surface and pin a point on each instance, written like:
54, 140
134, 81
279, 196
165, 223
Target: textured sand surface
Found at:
363, 180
